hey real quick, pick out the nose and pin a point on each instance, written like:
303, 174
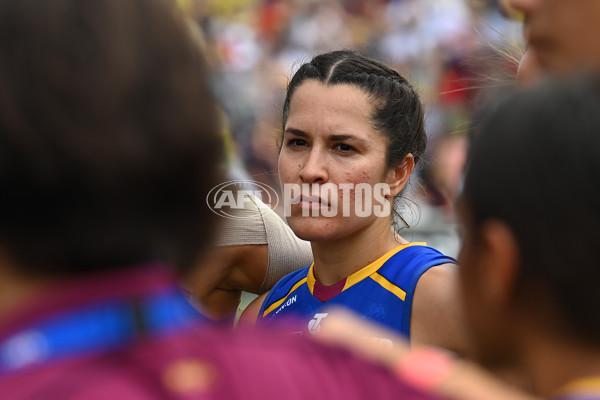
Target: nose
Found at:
315, 168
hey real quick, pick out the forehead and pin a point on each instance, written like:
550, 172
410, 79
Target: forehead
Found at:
338, 107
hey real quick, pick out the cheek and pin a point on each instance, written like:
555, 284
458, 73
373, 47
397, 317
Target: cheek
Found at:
354, 178
284, 166
362, 175
359, 176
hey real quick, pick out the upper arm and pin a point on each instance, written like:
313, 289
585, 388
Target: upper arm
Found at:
222, 273
250, 314
437, 317
249, 267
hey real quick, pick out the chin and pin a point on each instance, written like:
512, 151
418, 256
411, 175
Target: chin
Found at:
314, 229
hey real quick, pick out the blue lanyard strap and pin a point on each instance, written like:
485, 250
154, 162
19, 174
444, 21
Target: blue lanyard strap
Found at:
96, 327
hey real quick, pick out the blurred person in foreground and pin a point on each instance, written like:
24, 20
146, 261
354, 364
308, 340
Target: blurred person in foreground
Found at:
561, 36
529, 305
108, 145
253, 247
529, 291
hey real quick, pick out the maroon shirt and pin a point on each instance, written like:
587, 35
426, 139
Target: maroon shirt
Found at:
195, 362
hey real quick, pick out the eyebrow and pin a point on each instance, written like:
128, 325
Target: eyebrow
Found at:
332, 138
296, 132
339, 138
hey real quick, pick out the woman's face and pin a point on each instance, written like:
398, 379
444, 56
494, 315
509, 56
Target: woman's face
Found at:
330, 143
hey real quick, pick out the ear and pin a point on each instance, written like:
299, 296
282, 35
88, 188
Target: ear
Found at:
398, 176
499, 252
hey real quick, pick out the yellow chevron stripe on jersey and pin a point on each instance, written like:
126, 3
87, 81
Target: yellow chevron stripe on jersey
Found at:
364, 272
382, 291
389, 286
280, 301
310, 278
375, 265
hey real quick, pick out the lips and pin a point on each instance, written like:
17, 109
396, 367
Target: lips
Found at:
306, 201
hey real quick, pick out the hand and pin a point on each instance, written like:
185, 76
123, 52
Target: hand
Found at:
427, 368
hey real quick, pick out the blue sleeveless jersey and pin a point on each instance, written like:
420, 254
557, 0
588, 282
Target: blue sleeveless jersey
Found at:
382, 291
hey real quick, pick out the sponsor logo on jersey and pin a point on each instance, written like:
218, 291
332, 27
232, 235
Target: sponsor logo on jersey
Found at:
288, 303
314, 325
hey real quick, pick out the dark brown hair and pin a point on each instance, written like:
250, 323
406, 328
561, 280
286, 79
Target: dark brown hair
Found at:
108, 135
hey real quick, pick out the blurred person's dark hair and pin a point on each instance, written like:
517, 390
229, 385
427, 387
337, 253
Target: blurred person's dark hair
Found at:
108, 135
534, 166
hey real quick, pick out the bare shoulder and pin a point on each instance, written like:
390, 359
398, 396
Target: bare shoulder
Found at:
437, 317
440, 281
250, 313
437, 297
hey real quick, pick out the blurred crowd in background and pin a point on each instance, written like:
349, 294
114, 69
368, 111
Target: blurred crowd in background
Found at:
454, 51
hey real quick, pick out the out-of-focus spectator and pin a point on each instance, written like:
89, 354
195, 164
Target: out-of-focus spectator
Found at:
529, 301
109, 142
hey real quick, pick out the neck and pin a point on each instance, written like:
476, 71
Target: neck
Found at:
553, 362
338, 259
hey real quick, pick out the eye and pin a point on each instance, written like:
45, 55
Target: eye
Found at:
297, 143
344, 148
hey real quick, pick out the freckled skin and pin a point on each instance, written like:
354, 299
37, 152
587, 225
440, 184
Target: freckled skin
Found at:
320, 111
